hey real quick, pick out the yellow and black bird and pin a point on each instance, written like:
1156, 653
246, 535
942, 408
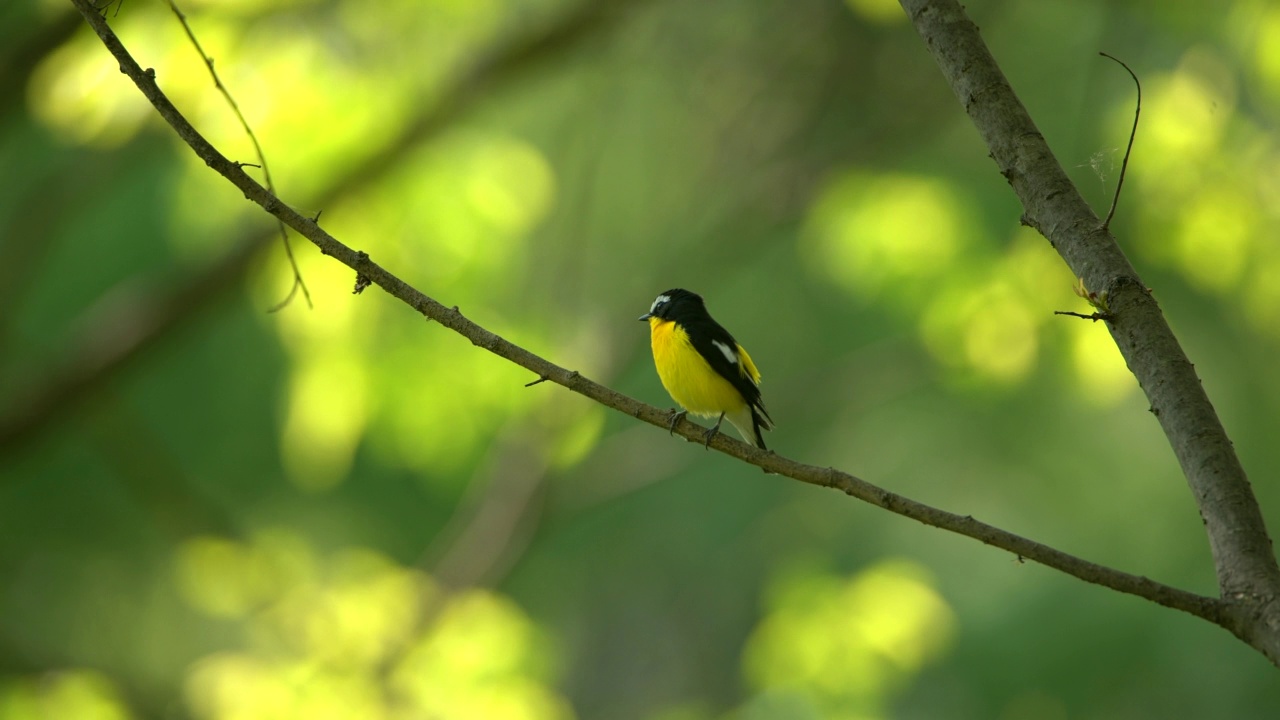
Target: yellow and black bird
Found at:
704, 369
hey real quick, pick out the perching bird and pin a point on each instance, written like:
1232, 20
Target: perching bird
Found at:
704, 369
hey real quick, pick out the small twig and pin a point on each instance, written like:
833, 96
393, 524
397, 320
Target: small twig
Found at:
102, 9
298, 283
293, 290
543, 378
1094, 317
1132, 133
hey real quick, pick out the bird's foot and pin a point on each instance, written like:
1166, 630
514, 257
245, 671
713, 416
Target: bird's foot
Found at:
676, 417
712, 432
706, 436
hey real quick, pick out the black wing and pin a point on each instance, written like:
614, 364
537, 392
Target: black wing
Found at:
704, 333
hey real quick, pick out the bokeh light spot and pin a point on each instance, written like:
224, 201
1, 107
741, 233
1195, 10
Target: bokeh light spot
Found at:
327, 414
1262, 295
359, 635
82, 98
1266, 46
220, 577
987, 330
476, 662
79, 694
885, 234
1101, 373
849, 645
225, 578
1185, 114
1214, 240
880, 12
509, 184
1001, 339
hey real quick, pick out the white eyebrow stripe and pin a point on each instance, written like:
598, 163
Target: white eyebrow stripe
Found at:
728, 352
658, 301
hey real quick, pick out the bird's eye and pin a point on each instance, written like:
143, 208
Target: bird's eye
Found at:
659, 302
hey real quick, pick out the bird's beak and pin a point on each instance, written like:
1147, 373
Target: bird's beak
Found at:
645, 316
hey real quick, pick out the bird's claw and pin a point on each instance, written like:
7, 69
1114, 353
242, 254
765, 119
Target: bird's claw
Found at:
676, 417
706, 436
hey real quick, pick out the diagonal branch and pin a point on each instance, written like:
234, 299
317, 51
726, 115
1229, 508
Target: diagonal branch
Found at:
1208, 608
1246, 567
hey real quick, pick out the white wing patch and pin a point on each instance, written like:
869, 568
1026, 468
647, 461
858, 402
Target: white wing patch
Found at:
661, 299
727, 351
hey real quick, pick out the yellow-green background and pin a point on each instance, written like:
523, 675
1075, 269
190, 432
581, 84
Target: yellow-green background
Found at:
348, 512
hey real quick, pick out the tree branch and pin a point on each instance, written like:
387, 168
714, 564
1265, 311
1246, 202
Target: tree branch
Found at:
1248, 575
1204, 607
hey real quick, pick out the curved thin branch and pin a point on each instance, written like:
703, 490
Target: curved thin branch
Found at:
298, 282
1248, 575
1124, 165
1200, 606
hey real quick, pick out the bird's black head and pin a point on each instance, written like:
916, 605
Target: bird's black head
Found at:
673, 303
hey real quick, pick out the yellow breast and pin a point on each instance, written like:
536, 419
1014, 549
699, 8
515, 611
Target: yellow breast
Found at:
687, 376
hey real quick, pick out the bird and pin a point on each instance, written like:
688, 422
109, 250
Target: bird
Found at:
703, 368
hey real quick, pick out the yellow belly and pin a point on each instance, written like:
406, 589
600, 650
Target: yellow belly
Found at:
687, 376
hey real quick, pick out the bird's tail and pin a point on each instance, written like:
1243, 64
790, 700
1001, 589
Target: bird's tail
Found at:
751, 422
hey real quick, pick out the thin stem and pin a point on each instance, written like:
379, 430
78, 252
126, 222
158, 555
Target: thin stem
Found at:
1137, 112
298, 283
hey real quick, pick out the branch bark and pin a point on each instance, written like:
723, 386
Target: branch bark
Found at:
1211, 609
1248, 576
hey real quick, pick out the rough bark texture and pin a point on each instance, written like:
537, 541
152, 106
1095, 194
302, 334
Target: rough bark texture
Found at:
1246, 567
